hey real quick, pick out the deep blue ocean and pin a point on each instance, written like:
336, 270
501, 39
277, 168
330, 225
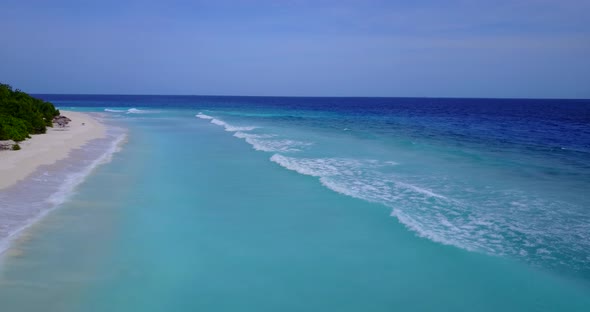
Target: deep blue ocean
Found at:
319, 204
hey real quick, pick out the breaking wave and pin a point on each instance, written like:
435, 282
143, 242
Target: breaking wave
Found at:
31, 199
283, 146
260, 142
228, 127
130, 111
140, 111
269, 143
501, 222
203, 116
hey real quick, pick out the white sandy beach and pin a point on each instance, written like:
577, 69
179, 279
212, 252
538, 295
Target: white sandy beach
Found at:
46, 149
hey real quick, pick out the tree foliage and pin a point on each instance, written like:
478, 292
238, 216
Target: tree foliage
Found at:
22, 114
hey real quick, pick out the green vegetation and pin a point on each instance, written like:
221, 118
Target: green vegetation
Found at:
22, 114
15, 147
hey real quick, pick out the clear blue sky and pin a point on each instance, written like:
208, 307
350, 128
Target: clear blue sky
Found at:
518, 48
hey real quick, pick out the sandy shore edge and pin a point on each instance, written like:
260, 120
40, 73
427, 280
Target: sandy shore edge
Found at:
46, 149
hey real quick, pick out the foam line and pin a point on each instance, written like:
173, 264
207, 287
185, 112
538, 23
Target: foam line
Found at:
63, 192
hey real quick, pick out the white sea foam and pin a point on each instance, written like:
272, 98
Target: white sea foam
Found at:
141, 111
135, 111
229, 127
420, 190
31, 199
362, 179
419, 227
260, 142
203, 116
320, 167
277, 145
74, 179
225, 125
218, 122
501, 222
244, 135
269, 142
234, 128
130, 111
493, 221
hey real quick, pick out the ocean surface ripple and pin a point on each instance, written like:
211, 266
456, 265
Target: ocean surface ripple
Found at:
479, 185
498, 176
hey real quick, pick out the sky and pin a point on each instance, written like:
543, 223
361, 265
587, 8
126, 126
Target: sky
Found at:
421, 48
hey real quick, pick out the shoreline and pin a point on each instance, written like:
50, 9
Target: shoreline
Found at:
48, 148
27, 200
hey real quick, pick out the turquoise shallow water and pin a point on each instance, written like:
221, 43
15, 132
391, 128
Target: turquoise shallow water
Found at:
189, 216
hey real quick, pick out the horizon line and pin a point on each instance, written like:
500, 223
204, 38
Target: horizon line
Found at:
320, 96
